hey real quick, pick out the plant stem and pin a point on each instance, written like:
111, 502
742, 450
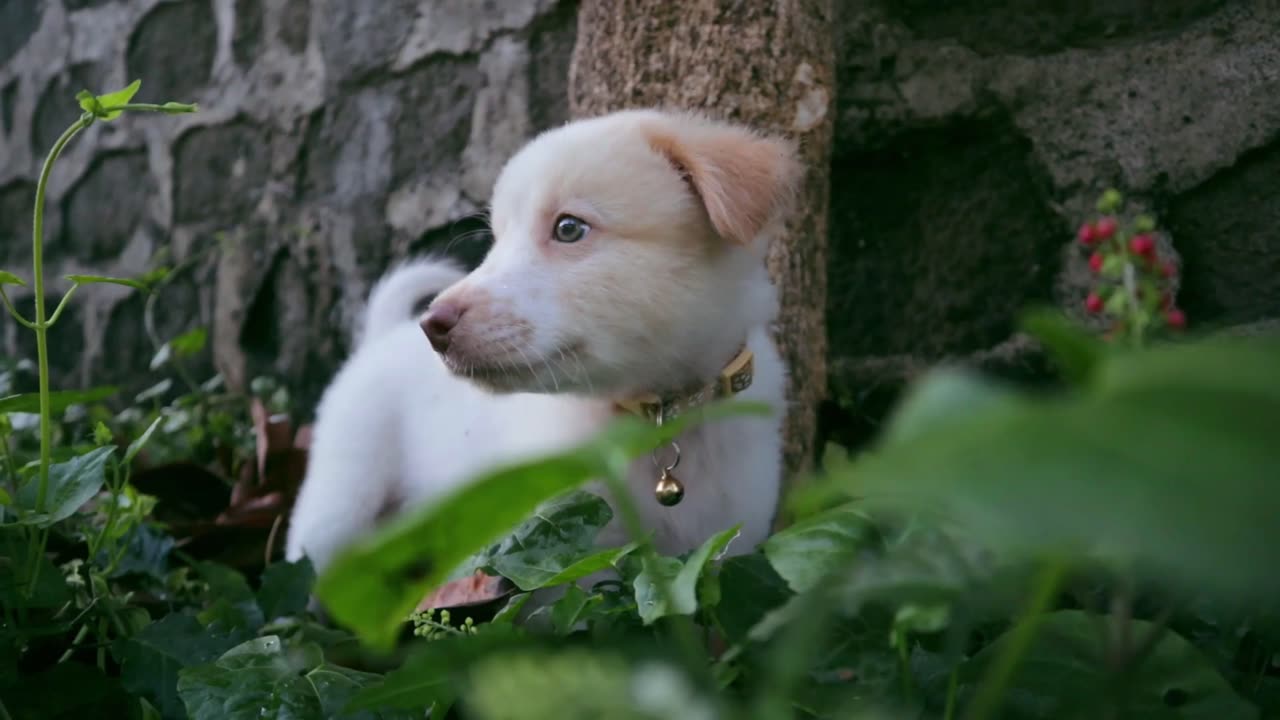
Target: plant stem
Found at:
951, 694
904, 662
40, 321
991, 692
62, 304
14, 311
40, 325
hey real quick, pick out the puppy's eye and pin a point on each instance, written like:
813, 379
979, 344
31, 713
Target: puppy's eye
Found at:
569, 229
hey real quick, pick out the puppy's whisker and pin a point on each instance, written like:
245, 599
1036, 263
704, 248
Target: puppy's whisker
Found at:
529, 365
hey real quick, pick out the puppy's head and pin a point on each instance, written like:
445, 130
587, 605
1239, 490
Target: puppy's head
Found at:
628, 256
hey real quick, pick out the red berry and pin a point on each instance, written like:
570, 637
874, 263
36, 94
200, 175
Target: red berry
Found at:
1093, 303
1105, 228
1142, 245
1169, 269
1087, 234
1176, 318
1095, 262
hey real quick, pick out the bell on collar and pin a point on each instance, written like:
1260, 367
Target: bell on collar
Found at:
669, 491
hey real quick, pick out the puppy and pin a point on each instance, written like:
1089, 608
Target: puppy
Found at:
627, 274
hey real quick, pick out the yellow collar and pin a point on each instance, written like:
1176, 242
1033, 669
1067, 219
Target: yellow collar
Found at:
733, 379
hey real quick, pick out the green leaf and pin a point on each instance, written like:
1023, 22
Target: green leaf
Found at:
1165, 464
810, 550
117, 98
756, 589
150, 660
71, 484
147, 552
569, 609
5, 498
925, 567
89, 103
681, 595
96, 279
136, 446
190, 342
286, 588
561, 534
1064, 674
1076, 352
945, 396
8, 278
374, 584
59, 400
265, 678
235, 607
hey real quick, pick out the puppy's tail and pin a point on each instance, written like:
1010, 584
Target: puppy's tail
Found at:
403, 291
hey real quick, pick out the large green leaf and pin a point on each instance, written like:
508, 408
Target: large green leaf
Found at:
680, 596
234, 607
755, 589
374, 584
1064, 676
286, 588
1166, 464
59, 400
71, 484
561, 533
266, 678
811, 549
150, 660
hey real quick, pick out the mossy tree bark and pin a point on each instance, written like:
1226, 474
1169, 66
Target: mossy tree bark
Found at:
767, 64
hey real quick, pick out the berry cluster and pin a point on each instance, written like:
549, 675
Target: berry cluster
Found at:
1135, 285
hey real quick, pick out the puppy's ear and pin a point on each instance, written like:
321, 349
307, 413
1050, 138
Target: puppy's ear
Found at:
742, 179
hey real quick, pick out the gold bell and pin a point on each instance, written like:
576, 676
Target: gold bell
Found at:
669, 491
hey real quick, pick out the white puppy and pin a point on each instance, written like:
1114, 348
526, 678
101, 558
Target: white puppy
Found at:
627, 271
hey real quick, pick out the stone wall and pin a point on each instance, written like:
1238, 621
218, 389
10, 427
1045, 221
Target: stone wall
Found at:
335, 136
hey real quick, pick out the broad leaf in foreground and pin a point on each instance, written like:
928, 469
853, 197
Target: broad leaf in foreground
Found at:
71, 485
811, 549
681, 579
561, 533
1164, 463
1064, 676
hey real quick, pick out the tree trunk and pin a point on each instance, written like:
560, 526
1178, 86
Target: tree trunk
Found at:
770, 65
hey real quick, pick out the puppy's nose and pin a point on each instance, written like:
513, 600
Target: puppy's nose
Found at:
439, 322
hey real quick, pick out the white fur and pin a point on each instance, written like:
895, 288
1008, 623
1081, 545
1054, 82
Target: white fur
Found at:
652, 299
